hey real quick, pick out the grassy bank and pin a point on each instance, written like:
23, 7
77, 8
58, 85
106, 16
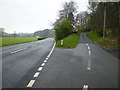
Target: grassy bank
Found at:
95, 37
7, 41
69, 42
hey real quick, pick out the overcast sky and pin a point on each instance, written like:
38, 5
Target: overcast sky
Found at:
32, 15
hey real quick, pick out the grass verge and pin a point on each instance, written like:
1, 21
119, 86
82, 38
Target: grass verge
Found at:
69, 42
7, 41
95, 37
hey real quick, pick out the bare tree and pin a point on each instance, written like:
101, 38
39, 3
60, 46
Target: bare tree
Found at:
81, 19
69, 11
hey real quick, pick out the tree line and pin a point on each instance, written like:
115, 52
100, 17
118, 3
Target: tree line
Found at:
105, 19
102, 17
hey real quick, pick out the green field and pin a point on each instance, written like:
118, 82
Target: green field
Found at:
95, 37
69, 42
7, 41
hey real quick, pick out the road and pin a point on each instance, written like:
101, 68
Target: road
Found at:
87, 65
19, 62
43, 66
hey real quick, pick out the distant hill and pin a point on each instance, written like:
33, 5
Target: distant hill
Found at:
44, 33
18, 35
5, 34
25, 34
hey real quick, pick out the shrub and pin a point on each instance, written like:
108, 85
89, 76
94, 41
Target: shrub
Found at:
41, 38
99, 32
64, 29
87, 29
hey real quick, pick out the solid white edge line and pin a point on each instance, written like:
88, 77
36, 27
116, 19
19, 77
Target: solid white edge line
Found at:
51, 51
48, 55
85, 87
40, 68
36, 74
30, 84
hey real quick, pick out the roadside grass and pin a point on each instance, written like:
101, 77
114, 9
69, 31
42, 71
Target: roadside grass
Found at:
69, 42
95, 37
7, 41
0, 41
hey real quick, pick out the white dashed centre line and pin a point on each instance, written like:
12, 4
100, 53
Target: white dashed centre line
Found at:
89, 52
18, 50
86, 44
88, 68
89, 65
85, 87
88, 48
36, 74
45, 61
30, 84
42, 64
89, 60
46, 58
40, 68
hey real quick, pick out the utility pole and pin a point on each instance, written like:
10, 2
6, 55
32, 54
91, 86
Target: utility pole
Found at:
104, 23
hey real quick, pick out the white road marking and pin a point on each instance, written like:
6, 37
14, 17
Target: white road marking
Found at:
86, 44
53, 47
51, 51
48, 55
18, 50
89, 52
88, 48
89, 65
88, 68
45, 61
30, 84
46, 58
40, 68
85, 87
36, 74
42, 64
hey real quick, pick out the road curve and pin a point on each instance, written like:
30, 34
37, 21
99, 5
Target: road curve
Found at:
19, 62
86, 66
36, 65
